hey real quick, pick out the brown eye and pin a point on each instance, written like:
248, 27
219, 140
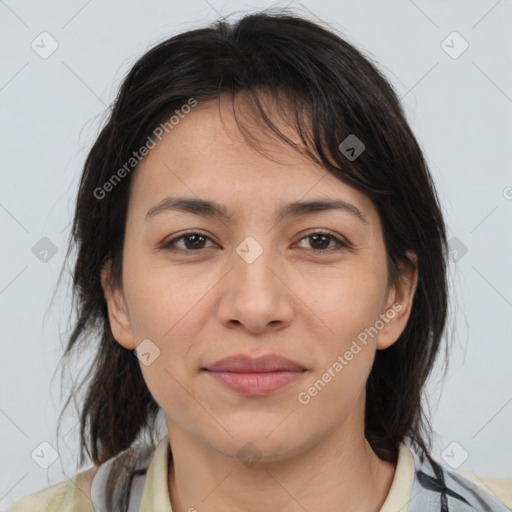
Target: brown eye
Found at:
320, 242
191, 241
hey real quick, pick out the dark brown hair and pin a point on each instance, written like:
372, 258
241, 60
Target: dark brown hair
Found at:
334, 91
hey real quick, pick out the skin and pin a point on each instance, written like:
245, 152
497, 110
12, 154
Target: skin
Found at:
205, 304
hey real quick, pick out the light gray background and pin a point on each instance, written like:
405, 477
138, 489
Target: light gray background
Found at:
459, 108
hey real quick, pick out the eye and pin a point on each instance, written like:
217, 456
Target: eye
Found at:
192, 242
320, 241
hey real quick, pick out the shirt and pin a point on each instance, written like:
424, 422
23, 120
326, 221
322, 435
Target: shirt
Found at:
414, 489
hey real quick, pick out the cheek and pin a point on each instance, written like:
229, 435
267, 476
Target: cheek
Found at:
350, 305
349, 300
164, 306
164, 301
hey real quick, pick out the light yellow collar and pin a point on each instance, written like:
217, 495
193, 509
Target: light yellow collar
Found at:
399, 494
156, 489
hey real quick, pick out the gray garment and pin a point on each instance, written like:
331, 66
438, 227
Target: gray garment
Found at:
459, 494
99, 486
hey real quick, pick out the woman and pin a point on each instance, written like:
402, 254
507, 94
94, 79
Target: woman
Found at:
257, 224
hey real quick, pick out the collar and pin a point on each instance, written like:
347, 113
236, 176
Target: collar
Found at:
155, 495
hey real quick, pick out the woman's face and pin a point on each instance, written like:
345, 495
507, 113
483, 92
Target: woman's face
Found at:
260, 281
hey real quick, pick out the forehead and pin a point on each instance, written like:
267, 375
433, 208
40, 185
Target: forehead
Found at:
205, 155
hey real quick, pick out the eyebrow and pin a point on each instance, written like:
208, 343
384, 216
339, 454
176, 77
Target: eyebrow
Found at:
213, 209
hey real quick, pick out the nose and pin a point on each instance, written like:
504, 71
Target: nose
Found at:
255, 295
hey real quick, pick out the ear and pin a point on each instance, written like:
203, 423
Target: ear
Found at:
399, 303
117, 311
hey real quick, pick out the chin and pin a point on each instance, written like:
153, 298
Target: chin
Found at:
257, 446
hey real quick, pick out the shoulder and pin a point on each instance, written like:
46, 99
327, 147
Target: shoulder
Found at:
462, 490
478, 492
68, 496
499, 488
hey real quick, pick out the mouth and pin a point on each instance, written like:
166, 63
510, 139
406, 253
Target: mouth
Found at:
249, 376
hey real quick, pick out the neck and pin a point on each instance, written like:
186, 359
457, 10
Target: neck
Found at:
342, 472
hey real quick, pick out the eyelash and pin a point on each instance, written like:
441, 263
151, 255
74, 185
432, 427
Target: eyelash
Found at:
341, 245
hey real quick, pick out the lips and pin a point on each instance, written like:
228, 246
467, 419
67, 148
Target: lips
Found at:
246, 364
255, 376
